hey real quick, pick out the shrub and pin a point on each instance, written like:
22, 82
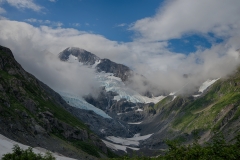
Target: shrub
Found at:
28, 154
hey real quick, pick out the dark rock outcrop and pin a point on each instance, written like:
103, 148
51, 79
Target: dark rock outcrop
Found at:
118, 70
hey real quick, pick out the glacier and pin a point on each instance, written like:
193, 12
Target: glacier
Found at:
115, 84
79, 102
110, 83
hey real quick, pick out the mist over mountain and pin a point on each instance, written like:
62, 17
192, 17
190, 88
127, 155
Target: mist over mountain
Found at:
135, 73
38, 54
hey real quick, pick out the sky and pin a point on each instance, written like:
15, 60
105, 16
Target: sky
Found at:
161, 39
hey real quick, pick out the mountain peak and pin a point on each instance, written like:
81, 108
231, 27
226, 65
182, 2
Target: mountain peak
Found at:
76, 49
83, 56
88, 58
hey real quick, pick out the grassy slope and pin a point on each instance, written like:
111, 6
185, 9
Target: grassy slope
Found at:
220, 105
206, 111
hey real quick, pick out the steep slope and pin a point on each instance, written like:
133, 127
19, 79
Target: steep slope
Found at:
215, 110
214, 107
32, 116
115, 96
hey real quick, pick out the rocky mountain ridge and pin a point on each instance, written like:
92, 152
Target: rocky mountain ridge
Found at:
102, 65
37, 114
30, 115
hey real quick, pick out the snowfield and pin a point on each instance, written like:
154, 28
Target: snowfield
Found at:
119, 143
6, 146
122, 141
118, 147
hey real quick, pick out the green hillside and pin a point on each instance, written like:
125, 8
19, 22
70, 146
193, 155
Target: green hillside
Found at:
29, 115
216, 110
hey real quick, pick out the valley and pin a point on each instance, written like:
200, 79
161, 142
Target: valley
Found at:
123, 120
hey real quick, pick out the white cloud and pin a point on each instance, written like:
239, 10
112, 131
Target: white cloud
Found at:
180, 17
75, 24
44, 22
148, 57
22, 4
30, 46
121, 25
52, 0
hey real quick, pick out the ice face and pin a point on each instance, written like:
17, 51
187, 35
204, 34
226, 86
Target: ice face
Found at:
115, 84
79, 102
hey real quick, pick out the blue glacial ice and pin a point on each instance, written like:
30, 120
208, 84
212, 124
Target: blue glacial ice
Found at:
79, 102
115, 84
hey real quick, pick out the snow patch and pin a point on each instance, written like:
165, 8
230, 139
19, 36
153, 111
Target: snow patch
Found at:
96, 63
197, 95
6, 146
140, 138
206, 84
72, 59
172, 93
128, 141
118, 147
139, 110
174, 98
135, 122
136, 135
122, 141
102, 130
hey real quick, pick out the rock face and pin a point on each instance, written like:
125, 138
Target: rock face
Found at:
101, 126
32, 116
83, 56
102, 65
118, 70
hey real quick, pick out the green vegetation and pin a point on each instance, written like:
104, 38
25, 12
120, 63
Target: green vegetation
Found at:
18, 87
28, 154
208, 111
87, 147
163, 102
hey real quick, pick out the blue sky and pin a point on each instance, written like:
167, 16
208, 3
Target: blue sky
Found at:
109, 18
